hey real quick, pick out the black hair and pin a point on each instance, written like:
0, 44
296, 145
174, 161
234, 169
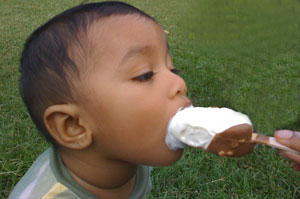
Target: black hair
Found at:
53, 53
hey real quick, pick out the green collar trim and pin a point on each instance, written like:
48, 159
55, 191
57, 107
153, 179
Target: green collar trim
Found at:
142, 185
63, 176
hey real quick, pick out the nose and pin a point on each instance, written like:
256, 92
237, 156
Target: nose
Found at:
177, 85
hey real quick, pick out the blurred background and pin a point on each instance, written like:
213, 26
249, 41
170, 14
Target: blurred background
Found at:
248, 54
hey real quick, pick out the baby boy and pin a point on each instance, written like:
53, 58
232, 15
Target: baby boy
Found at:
99, 83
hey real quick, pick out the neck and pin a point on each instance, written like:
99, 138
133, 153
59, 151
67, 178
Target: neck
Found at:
105, 178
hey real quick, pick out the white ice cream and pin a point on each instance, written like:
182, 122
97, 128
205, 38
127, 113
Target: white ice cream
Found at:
197, 126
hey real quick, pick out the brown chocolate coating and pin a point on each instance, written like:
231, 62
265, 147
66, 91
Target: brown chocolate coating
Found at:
233, 142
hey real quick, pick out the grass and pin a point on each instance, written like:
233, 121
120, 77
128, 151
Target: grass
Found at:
243, 55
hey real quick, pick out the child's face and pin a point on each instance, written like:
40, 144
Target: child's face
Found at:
131, 92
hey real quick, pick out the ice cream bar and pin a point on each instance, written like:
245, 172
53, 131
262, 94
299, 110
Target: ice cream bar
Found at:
217, 130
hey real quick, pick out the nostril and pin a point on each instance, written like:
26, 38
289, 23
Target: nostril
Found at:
181, 91
177, 86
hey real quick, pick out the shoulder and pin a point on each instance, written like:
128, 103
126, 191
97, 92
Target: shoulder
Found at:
40, 181
39, 173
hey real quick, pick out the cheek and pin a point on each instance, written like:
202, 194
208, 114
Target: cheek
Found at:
131, 125
138, 107
142, 124
137, 117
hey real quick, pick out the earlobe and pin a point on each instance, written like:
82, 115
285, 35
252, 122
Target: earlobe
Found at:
64, 124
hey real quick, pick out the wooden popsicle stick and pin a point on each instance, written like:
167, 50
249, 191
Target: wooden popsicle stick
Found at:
270, 141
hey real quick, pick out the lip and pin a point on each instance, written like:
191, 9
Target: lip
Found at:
187, 103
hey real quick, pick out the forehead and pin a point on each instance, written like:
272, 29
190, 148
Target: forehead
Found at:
113, 37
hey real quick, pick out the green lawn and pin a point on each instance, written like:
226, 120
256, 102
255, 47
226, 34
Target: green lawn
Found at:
244, 55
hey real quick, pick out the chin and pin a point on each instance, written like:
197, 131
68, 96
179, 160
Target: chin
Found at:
170, 158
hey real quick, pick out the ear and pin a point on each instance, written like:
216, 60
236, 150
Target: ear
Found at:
64, 124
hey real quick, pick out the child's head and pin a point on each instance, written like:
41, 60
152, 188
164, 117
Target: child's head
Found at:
99, 77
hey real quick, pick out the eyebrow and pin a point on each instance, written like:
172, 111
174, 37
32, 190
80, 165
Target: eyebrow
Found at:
140, 50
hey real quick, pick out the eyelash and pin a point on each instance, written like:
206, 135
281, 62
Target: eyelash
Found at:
175, 71
148, 75
144, 77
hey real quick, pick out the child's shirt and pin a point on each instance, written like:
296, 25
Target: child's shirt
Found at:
48, 178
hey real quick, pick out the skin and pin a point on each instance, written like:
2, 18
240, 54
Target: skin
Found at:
128, 94
290, 139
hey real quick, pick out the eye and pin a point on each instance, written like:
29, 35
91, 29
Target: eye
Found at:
175, 71
144, 77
